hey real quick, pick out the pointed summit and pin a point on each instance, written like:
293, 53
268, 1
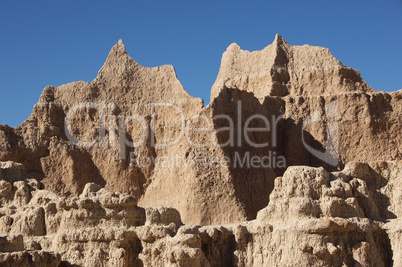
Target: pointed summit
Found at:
118, 48
118, 63
281, 51
279, 40
121, 76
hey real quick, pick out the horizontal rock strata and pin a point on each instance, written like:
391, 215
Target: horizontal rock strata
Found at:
296, 161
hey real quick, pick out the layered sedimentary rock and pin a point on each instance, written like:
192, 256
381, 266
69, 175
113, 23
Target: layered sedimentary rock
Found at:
130, 170
314, 218
301, 82
135, 130
281, 69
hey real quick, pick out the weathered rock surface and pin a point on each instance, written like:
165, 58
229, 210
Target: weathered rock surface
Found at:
281, 69
314, 218
109, 171
82, 132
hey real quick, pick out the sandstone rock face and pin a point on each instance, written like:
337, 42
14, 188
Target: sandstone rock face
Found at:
106, 173
314, 218
118, 130
122, 98
281, 69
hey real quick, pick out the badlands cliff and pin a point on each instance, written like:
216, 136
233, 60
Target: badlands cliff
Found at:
295, 162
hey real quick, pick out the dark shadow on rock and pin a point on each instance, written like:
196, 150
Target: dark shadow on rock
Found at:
252, 182
383, 243
254, 168
219, 251
15, 149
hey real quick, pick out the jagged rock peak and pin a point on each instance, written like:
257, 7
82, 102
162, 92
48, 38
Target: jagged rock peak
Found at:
120, 46
281, 69
121, 72
117, 53
279, 40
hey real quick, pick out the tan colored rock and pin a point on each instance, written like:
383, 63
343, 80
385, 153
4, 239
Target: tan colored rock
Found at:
30, 258
314, 218
163, 216
12, 171
11, 243
368, 122
102, 206
281, 69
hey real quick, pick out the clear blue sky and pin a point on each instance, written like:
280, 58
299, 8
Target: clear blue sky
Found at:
56, 42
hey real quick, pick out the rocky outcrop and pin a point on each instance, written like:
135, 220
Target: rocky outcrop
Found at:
281, 69
30, 258
115, 111
136, 130
314, 218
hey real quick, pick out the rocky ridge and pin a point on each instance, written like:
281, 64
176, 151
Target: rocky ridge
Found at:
281, 69
99, 157
124, 95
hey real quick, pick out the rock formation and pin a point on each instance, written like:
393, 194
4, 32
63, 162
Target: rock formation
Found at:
281, 69
106, 173
314, 218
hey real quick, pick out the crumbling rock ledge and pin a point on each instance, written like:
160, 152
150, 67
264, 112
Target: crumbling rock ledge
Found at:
314, 218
